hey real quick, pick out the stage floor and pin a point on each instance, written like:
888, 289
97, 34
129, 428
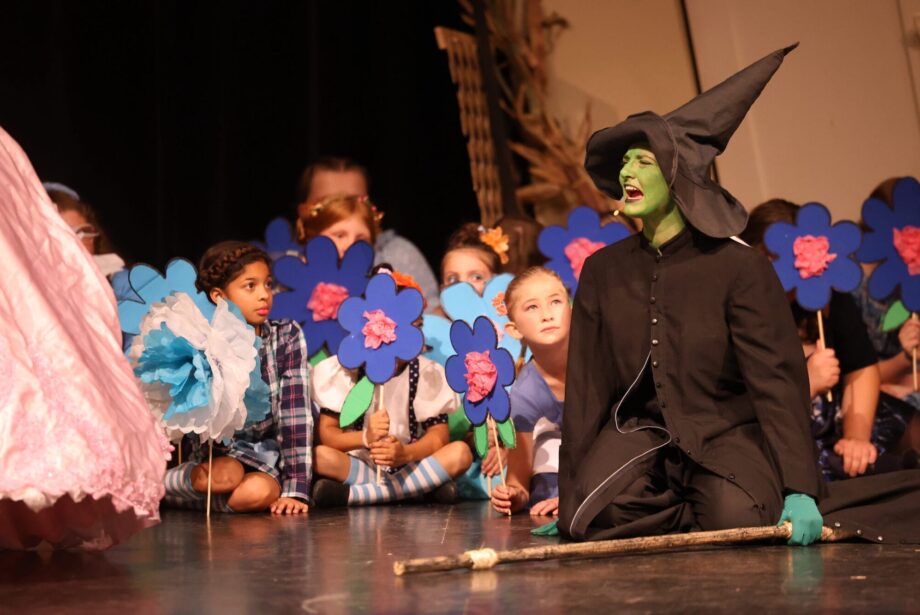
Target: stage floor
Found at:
341, 561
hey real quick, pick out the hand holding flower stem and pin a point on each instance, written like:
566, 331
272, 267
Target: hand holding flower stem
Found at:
501, 469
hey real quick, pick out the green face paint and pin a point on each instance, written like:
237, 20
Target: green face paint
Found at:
645, 190
646, 195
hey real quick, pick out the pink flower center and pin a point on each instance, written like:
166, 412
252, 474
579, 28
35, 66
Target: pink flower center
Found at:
481, 375
811, 255
498, 302
907, 243
379, 329
578, 250
326, 300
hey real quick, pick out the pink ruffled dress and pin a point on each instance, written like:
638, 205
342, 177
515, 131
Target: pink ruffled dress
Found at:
81, 457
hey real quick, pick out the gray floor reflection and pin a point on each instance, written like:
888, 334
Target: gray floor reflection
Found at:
341, 562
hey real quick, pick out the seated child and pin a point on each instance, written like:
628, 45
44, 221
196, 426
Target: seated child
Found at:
342, 218
540, 312
408, 438
474, 255
266, 465
895, 348
857, 425
330, 175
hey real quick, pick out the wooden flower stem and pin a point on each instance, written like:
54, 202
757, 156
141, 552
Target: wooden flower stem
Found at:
488, 478
830, 394
484, 559
913, 353
210, 472
379, 408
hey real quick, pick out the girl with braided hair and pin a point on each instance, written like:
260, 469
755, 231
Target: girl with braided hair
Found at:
268, 464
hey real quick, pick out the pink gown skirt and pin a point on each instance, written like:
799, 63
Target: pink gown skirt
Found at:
81, 457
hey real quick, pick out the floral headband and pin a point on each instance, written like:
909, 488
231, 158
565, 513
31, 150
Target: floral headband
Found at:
496, 239
318, 206
404, 280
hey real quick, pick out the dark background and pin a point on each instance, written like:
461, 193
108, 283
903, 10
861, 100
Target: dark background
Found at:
186, 123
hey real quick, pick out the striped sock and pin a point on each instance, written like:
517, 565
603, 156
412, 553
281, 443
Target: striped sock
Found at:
181, 494
414, 479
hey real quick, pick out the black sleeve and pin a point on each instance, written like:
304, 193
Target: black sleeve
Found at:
770, 356
847, 334
589, 384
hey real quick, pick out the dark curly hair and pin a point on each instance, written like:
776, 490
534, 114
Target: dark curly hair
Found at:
223, 262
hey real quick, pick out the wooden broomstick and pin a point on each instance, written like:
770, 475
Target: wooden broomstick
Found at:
484, 559
830, 394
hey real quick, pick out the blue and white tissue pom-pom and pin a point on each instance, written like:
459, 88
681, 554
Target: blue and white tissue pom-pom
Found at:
258, 396
196, 374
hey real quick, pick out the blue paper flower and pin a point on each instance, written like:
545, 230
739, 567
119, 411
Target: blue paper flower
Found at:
437, 337
567, 247
194, 372
462, 302
893, 243
400, 340
279, 240
150, 287
322, 267
480, 339
812, 256
172, 360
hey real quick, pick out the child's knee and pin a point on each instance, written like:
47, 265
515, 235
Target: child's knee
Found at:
456, 458
256, 492
226, 474
323, 458
330, 462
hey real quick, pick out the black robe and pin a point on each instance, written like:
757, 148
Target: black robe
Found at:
708, 320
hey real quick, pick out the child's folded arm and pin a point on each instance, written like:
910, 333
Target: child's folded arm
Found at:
334, 436
436, 437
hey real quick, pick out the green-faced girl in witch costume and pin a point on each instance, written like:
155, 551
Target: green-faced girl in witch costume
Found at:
687, 391
646, 197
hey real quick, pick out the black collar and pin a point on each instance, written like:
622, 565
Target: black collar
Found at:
672, 246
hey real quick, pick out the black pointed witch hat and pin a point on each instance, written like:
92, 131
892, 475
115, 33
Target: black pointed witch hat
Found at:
685, 142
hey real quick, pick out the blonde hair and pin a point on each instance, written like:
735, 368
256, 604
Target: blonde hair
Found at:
511, 293
335, 208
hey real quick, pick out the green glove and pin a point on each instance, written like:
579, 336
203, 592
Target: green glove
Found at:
549, 529
802, 511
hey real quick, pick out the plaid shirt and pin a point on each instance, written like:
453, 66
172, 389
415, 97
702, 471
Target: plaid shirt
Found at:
290, 424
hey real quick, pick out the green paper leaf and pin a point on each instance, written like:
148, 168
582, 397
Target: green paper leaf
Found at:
481, 436
506, 433
357, 402
458, 425
319, 356
896, 316
549, 529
